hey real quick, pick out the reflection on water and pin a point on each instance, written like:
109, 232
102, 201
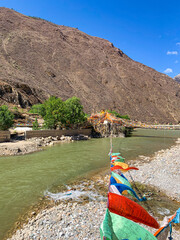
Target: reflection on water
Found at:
23, 179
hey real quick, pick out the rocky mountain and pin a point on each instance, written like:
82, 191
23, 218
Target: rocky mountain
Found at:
177, 78
39, 59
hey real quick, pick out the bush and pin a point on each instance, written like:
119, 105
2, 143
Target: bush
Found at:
74, 111
38, 109
118, 115
6, 118
35, 125
125, 117
56, 112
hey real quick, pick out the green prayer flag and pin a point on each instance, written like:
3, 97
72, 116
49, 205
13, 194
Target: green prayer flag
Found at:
115, 227
120, 160
115, 154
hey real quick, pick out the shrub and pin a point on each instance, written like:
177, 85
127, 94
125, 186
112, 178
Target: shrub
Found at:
56, 112
35, 125
118, 115
74, 111
125, 117
6, 118
38, 109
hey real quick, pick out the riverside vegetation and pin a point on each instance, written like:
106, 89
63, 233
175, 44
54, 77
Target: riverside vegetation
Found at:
57, 113
6, 118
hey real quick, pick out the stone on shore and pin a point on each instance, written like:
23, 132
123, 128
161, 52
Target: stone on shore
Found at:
35, 144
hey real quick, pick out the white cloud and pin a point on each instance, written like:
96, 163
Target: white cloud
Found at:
178, 43
172, 53
176, 61
168, 70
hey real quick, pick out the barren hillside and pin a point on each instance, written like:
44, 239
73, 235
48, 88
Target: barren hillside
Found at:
39, 58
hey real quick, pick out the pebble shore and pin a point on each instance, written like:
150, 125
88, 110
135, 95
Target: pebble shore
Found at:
163, 171
78, 220
34, 144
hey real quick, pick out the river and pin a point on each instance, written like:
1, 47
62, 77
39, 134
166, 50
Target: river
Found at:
24, 179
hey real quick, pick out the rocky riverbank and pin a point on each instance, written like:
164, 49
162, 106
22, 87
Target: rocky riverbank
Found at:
162, 171
78, 212
20, 147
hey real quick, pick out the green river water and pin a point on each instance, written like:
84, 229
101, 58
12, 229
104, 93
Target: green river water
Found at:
24, 179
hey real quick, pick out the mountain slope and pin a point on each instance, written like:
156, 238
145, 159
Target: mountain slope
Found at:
177, 78
63, 61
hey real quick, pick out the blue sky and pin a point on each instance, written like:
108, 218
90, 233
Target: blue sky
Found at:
147, 31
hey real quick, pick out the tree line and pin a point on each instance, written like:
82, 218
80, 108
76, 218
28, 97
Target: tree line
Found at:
58, 113
55, 112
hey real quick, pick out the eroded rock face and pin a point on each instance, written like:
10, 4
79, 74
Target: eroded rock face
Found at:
20, 94
62, 61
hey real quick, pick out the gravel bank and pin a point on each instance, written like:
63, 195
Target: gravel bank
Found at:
78, 220
34, 144
71, 221
163, 171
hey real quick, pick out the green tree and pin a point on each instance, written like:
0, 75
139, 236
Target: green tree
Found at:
74, 111
38, 109
35, 125
6, 118
54, 112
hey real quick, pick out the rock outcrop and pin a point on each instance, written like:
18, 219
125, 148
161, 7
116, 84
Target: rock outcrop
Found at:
20, 94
